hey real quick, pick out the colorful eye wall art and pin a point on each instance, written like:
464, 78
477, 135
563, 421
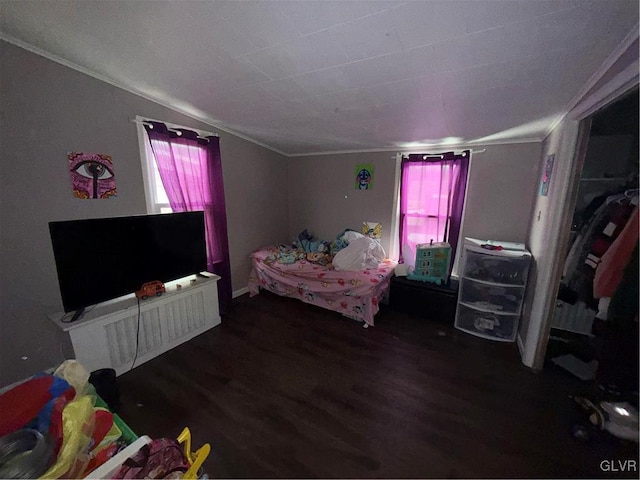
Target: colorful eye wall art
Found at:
364, 176
92, 175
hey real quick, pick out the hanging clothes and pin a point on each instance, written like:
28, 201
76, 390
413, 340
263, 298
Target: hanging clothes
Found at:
623, 310
586, 231
609, 272
619, 352
585, 216
593, 241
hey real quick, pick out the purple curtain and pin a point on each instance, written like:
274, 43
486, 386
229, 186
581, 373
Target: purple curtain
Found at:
191, 171
457, 201
432, 195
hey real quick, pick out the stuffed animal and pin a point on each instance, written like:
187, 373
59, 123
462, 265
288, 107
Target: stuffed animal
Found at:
319, 258
306, 242
288, 255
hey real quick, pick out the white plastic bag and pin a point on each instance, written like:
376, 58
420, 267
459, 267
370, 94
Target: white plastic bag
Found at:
360, 254
75, 375
349, 236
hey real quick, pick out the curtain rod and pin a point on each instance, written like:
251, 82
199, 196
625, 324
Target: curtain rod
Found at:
432, 155
173, 126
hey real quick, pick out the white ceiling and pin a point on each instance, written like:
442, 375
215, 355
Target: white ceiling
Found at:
317, 76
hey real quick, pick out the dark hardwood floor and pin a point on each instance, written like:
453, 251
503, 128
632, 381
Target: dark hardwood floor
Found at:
285, 389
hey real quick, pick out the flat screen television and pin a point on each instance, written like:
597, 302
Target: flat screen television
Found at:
105, 258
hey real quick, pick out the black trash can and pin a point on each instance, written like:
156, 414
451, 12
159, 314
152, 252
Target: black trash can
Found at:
106, 385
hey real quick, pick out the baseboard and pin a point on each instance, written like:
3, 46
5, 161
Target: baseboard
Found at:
240, 291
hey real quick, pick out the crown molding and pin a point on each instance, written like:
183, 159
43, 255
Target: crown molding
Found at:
622, 47
115, 83
442, 146
626, 80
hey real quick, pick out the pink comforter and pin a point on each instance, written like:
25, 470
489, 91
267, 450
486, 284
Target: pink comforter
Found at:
354, 294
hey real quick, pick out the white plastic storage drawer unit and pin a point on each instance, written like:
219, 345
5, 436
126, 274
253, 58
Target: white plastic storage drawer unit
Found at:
492, 288
487, 324
492, 297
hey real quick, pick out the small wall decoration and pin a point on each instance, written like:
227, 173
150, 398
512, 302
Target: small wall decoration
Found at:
364, 176
372, 230
546, 175
92, 175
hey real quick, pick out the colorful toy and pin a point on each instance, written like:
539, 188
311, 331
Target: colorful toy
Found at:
432, 263
197, 458
620, 419
151, 288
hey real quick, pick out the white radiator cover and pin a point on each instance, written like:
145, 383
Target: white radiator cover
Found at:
106, 336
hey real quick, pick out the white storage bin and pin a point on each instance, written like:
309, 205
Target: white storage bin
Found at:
494, 298
496, 269
486, 324
492, 288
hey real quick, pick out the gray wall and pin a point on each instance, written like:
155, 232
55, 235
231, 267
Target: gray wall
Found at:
539, 233
257, 203
49, 110
543, 237
323, 198
502, 182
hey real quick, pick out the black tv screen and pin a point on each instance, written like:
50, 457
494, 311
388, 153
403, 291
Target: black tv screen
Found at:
105, 258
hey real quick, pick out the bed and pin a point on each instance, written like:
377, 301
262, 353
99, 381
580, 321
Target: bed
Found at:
354, 294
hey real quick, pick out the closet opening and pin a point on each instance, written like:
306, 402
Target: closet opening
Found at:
594, 333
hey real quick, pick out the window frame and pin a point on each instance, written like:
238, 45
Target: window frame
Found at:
148, 171
422, 213
430, 174
150, 175
396, 218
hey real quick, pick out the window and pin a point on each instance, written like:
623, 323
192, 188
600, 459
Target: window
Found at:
426, 189
183, 172
432, 193
155, 194
158, 193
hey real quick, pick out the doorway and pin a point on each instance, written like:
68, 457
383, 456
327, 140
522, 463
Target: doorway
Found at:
582, 339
